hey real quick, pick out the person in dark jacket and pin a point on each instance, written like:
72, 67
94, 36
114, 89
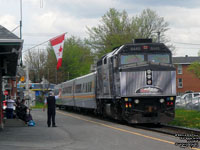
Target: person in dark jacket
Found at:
50, 102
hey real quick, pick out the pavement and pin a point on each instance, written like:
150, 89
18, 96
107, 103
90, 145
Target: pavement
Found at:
79, 132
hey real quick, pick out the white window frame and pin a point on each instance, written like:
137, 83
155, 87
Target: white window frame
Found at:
180, 83
180, 69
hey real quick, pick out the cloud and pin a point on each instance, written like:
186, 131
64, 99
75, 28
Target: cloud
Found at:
9, 22
164, 3
43, 19
59, 22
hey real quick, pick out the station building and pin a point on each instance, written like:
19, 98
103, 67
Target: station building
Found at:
10, 54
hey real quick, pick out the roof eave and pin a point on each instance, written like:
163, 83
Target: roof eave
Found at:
11, 41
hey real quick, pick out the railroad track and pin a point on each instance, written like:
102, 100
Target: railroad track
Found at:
168, 129
162, 128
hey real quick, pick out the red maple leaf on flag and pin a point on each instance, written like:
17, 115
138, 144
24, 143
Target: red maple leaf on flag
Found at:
60, 49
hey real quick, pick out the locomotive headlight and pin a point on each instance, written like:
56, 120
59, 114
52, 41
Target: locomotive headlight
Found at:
126, 99
149, 82
162, 100
149, 76
148, 71
136, 101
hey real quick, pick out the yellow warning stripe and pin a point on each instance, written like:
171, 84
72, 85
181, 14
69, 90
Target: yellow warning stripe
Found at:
79, 96
119, 129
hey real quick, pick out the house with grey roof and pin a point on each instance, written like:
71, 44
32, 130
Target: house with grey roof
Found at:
186, 80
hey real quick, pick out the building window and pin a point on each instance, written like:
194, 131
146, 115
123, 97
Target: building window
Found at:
180, 83
180, 70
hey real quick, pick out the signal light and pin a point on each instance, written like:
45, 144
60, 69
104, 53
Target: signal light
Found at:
126, 105
170, 103
130, 105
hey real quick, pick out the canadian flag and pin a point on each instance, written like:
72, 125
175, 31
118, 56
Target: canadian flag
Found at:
57, 43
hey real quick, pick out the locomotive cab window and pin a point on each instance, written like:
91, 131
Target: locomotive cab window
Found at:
128, 59
159, 58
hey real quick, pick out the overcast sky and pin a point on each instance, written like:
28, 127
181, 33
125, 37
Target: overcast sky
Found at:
45, 19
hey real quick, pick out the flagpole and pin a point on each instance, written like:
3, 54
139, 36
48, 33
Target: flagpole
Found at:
43, 43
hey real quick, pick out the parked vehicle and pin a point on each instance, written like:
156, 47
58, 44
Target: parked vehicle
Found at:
194, 103
189, 96
188, 101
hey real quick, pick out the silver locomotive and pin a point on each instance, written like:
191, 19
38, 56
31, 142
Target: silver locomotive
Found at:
135, 82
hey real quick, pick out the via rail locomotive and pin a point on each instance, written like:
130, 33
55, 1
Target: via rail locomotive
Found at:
135, 82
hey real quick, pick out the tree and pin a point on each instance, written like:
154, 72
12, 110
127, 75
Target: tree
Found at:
76, 61
195, 68
148, 24
36, 59
117, 28
114, 31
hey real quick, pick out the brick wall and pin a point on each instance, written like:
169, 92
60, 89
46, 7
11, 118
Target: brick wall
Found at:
190, 81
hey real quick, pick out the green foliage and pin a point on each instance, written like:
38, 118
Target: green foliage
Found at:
195, 68
117, 28
77, 59
187, 118
38, 105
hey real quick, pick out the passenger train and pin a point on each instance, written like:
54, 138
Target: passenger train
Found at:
135, 82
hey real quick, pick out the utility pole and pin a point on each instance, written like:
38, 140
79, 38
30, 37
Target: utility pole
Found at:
21, 28
158, 36
20, 19
27, 84
56, 75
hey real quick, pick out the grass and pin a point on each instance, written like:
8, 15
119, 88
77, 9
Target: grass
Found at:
38, 105
186, 118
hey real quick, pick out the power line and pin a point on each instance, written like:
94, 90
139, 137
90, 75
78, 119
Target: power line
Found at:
42, 43
198, 48
35, 46
186, 43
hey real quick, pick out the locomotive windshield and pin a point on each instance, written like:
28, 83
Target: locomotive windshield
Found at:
159, 58
137, 58
128, 59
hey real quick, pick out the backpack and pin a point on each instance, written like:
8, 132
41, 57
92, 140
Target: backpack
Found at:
31, 123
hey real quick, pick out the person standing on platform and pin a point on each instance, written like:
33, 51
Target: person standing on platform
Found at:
50, 102
10, 108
